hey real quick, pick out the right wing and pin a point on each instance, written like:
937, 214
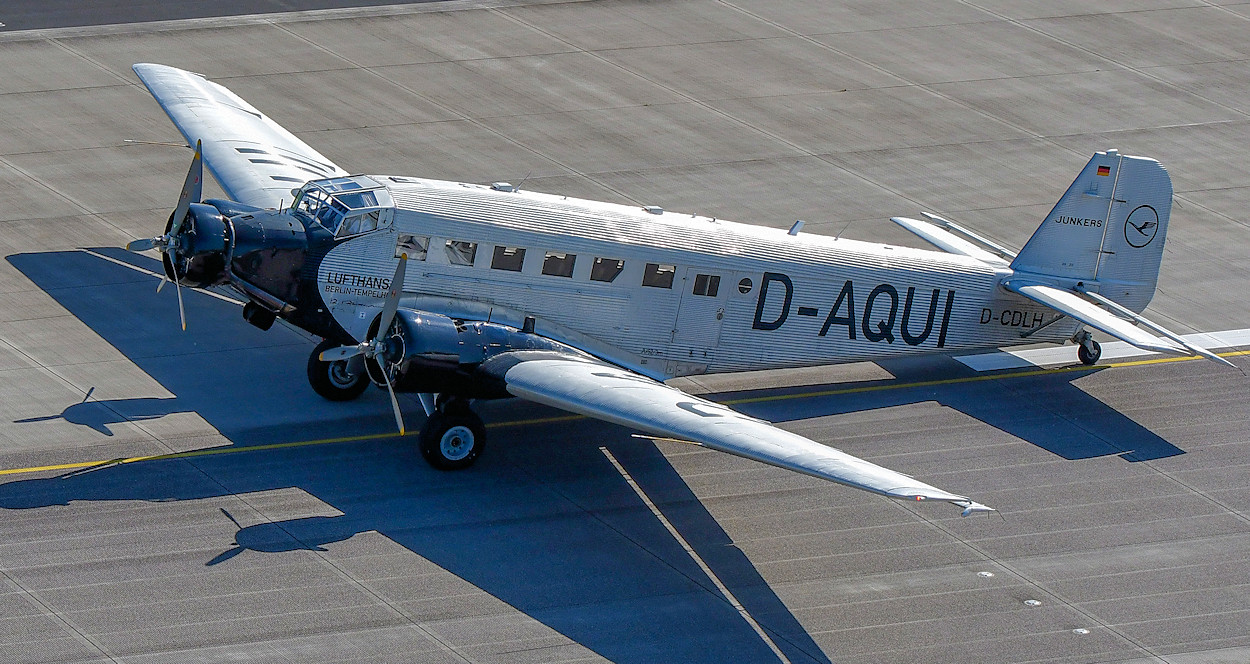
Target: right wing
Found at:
255, 160
948, 241
616, 395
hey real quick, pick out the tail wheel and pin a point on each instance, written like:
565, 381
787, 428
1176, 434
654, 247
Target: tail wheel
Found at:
452, 438
340, 380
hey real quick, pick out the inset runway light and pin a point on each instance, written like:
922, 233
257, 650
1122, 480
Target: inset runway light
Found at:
985, 575
1032, 602
1080, 630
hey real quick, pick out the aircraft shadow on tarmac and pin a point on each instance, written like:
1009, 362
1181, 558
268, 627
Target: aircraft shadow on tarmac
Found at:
543, 522
550, 528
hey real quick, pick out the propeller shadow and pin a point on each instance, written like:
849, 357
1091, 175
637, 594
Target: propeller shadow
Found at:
544, 523
99, 415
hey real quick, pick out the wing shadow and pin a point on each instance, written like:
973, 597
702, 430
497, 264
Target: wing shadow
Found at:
1045, 409
547, 527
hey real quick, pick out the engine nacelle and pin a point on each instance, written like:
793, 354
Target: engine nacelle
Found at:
434, 353
428, 340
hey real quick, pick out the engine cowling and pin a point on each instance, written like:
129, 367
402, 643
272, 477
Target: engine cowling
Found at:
201, 249
434, 353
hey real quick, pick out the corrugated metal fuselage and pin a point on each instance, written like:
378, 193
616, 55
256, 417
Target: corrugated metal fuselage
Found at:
741, 297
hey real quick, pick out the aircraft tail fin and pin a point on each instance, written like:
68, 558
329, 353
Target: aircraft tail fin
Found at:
1107, 231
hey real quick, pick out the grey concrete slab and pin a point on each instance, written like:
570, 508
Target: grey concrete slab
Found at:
637, 137
243, 50
343, 99
528, 84
785, 66
963, 52
450, 35
66, 119
625, 24
857, 207
1065, 104
1172, 36
1022, 9
859, 16
462, 149
46, 66
869, 120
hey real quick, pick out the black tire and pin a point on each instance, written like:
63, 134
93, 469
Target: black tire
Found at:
343, 380
1089, 352
453, 439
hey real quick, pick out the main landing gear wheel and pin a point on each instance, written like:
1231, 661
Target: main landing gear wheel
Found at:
1088, 352
453, 437
340, 380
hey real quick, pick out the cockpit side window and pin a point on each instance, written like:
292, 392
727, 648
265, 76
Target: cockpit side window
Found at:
359, 223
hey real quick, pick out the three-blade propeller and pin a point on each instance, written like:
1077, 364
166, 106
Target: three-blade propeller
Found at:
375, 348
192, 190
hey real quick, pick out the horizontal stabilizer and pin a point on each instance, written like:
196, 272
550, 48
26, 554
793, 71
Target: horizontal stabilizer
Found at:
947, 241
1091, 314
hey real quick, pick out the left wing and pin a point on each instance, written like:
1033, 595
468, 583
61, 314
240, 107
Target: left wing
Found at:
255, 160
616, 395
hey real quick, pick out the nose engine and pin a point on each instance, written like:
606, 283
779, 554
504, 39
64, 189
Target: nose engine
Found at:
198, 251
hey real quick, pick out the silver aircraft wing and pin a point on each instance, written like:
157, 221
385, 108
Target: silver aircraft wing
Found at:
616, 395
255, 160
1123, 326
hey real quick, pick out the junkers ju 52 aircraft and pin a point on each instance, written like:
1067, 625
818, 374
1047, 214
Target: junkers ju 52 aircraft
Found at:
460, 291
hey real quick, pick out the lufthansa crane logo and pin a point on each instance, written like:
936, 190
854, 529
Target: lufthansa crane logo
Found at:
1141, 226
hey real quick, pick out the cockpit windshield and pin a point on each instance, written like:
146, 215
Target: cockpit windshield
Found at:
343, 206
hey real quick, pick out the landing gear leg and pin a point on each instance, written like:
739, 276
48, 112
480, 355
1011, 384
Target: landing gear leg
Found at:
453, 436
1089, 350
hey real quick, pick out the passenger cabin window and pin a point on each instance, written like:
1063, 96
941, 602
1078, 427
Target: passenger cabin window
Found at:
658, 275
460, 252
559, 264
606, 269
416, 246
706, 284
508, 258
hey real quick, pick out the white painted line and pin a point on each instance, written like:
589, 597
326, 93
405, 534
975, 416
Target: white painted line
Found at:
150, 273
729, 596
1114, 350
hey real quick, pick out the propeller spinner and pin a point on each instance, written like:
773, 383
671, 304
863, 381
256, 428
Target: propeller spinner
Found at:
167, 244
376, 347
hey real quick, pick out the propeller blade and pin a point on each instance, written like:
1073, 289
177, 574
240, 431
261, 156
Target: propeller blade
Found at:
399, 417
141, 245
392, 300
340, 353
181, 314
193, 188
164, 280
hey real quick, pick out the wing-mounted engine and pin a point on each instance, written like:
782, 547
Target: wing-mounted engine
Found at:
434, 353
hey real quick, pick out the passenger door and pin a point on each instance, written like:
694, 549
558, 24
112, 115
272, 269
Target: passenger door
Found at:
701, 310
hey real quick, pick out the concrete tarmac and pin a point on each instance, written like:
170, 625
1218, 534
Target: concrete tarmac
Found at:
186, 497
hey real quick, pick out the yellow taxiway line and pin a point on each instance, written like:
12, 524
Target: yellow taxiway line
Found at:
568, 418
